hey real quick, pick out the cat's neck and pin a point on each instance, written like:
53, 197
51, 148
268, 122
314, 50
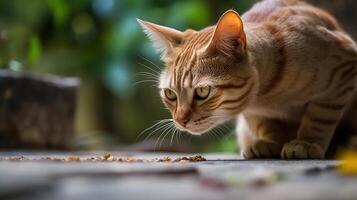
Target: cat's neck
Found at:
262, 56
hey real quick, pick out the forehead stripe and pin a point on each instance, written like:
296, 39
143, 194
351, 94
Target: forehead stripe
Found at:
180, 68
185, 73
188, 59
205, 38
193, 61
177, 59
188, 73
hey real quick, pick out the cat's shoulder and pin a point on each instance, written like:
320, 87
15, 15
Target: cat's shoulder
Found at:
280, 10
262, 10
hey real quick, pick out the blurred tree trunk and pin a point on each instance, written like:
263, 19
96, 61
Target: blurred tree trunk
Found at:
37, 111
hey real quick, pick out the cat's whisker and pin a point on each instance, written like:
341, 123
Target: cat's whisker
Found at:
171, 131
149, 68
168, 132
228, 129
221, 131
156, 74
216, 137
209, 134
164, 129
145, 81
215, 133
152, 63
158, 123
149, 74
147, 129
179, 136
173, 135
225, 130
162, 133
147, 77
156, 130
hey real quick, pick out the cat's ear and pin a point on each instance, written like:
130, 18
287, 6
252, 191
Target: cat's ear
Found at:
228, 37
163, 38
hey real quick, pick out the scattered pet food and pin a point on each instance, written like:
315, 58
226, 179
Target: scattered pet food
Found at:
197, 158
165, 159
16, 158
73, 159
108, 157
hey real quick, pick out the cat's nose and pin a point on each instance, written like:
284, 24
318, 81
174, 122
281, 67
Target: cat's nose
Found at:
182, 122
183, 115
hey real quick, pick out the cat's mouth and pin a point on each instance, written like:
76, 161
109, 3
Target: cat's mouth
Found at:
196, 129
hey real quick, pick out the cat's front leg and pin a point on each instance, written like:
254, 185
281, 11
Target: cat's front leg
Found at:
322, 116
260, 137
316, 130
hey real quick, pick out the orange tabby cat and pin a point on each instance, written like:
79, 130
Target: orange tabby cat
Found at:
285, 68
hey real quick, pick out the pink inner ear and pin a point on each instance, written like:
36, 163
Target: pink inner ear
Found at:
229, 24
229, 33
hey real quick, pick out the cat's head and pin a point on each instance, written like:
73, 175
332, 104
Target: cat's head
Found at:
207, 79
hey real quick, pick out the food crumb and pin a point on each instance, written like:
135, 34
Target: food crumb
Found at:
165, 159
49, 158
16, 158
196, 158
108, 157
73, 159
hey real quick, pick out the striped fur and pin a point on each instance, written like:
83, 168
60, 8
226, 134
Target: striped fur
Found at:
285, 68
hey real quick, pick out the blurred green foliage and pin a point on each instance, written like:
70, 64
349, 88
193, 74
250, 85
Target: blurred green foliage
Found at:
100, 41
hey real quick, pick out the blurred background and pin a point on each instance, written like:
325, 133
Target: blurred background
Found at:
101, 42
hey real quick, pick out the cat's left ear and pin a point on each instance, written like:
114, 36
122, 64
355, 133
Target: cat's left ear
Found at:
163, 38
228, 37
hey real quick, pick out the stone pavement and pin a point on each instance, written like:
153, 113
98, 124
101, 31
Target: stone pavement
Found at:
222, 176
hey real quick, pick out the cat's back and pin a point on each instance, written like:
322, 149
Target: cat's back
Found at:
283, 12
264, 9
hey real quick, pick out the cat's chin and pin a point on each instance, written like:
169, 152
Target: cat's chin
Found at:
195, 132
199, 131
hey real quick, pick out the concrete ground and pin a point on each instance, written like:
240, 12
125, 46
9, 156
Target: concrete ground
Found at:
222, 176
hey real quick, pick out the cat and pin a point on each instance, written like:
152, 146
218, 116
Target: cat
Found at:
285, 70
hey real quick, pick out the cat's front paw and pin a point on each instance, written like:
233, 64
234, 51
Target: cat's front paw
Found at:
298, 149
262, 148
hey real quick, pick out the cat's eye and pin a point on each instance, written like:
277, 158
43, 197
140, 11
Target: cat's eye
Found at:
169, 94
202, 92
